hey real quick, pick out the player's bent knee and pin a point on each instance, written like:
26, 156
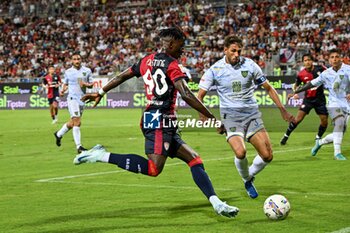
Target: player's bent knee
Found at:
152, 169
268, 157
324, 123
70, 124
240, 154
77, 123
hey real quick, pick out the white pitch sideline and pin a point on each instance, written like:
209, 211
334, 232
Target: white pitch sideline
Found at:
152, 186
171, 164
343, 230
63, 180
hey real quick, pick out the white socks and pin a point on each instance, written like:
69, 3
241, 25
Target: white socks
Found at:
76, 136
248, 172
105, 157
337, 139
339, 124
337, 136
62, 131
257, 166
214, 200
326, 140
242, 168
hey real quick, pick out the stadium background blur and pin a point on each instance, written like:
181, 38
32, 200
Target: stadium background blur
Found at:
112, 35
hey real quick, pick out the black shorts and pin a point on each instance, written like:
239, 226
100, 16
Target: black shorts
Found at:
318, 105
53, 99
164, 141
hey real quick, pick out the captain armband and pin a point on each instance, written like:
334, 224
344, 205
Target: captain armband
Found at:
260, 80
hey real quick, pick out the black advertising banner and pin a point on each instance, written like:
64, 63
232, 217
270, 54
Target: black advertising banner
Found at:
133, 100
29, 96
283, 83
19, 88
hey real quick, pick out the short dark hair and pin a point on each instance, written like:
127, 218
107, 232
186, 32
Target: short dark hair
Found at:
232, 39
256, 58
309, 56
76, 53
172, 32
335, 50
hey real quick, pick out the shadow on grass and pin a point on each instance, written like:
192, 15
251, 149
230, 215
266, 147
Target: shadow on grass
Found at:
131, 227
132, 216
269, 221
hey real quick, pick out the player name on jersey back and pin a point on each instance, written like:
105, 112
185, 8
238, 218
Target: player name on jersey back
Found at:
156, 62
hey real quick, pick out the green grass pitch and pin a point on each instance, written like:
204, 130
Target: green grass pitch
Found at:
42, 191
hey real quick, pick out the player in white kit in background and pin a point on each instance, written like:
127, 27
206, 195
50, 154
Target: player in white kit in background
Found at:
76, 80
236, 78
336, 80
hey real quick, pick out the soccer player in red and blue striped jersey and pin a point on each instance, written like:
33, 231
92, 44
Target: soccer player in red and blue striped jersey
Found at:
163, 78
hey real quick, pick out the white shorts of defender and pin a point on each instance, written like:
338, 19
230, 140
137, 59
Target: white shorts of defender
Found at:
74, 108
335, 112
244, 129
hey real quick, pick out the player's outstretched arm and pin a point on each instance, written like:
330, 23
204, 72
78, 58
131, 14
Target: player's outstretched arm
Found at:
307, 86
188, 96
116, 81
64, 89
293, 95
201, 94
274, 96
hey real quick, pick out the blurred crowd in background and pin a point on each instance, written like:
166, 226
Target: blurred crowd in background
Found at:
111, 35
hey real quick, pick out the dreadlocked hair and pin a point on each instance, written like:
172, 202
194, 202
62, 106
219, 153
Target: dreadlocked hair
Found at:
173, 32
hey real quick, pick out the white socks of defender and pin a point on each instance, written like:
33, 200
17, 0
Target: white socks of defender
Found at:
338, 133
337, 136
242, 168
76, 136
62, 131
257, 166
326, 140
248, 172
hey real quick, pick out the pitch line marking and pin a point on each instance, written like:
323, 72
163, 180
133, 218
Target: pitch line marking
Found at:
343, 230
167, 165
61, 180
77, 176
194, 188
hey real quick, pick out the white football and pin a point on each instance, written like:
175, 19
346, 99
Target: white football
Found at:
276, 207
